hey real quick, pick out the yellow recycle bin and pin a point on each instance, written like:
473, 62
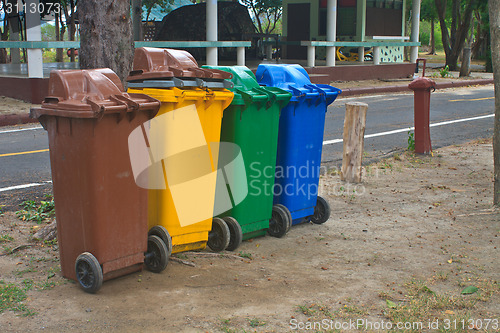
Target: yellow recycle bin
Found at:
182, 144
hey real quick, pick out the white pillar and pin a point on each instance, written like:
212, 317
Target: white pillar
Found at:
240, 55
311, 55
376, 55
211, 31
415, 25
331, 31
269, 51
34, 33
361, 54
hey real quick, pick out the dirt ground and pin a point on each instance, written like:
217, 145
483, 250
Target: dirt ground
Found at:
399, 248
13, 106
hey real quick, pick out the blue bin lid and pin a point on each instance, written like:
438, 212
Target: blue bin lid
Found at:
294, 78
282, 76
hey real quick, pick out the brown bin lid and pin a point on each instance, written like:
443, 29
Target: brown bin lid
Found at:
89, 94
155, 63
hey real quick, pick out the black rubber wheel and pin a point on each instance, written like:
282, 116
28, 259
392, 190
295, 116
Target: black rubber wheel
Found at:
288, 213
161, 232
88, 272
321, 211
279, 223
235, 233
156, 257
218, 237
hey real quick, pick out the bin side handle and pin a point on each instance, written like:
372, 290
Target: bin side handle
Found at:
321, 93
271, 96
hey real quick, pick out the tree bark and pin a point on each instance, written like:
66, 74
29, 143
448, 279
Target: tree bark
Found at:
106, 36
494, 8
72, 28
433, 38
59, 52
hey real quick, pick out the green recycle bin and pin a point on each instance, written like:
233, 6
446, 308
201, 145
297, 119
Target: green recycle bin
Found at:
251, 122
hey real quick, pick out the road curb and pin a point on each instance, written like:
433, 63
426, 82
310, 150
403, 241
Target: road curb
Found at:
402, 88
16, 119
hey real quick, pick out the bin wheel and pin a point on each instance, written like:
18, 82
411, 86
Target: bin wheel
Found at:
161, 232
218, 237
288, 213
235, 233
321, 211
156, 258
279, 222
88, 272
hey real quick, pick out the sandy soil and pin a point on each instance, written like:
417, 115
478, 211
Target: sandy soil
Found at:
13, 106
424, 221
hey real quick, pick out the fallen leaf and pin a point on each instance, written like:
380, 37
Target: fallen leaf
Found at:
390, 304
450, 261
324, 268
470, 290
449, 312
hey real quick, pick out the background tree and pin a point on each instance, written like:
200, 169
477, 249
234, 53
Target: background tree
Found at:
150, 4
106, 35
482, 30
265, 13
454, 37
494, 8
428, 13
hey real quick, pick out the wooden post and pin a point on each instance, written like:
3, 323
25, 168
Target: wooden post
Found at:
354, 132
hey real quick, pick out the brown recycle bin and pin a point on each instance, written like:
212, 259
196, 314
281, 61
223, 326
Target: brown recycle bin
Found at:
101, 213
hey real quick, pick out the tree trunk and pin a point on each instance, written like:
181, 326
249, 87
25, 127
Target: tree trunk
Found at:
106, 35
494, 8
59, 52
465, 65
433, 38
72, 29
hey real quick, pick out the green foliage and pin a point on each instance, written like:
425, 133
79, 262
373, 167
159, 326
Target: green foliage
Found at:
163, 4
266, 14
6, 238
425, 34
445, 72
37, 212
12, 298
411, 141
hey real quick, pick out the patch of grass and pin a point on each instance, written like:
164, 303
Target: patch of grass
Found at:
6, 238
225, 326
307, 310
255, 322
411, 141
45, 285
422, 304
12, 298
246, 255
38, 213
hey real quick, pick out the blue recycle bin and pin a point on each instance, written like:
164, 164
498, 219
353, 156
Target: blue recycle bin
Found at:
300, 141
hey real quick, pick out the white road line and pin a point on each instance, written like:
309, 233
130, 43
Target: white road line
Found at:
19, 187
22, 130
329, 142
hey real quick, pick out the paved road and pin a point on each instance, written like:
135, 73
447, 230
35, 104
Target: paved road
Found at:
385, 113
